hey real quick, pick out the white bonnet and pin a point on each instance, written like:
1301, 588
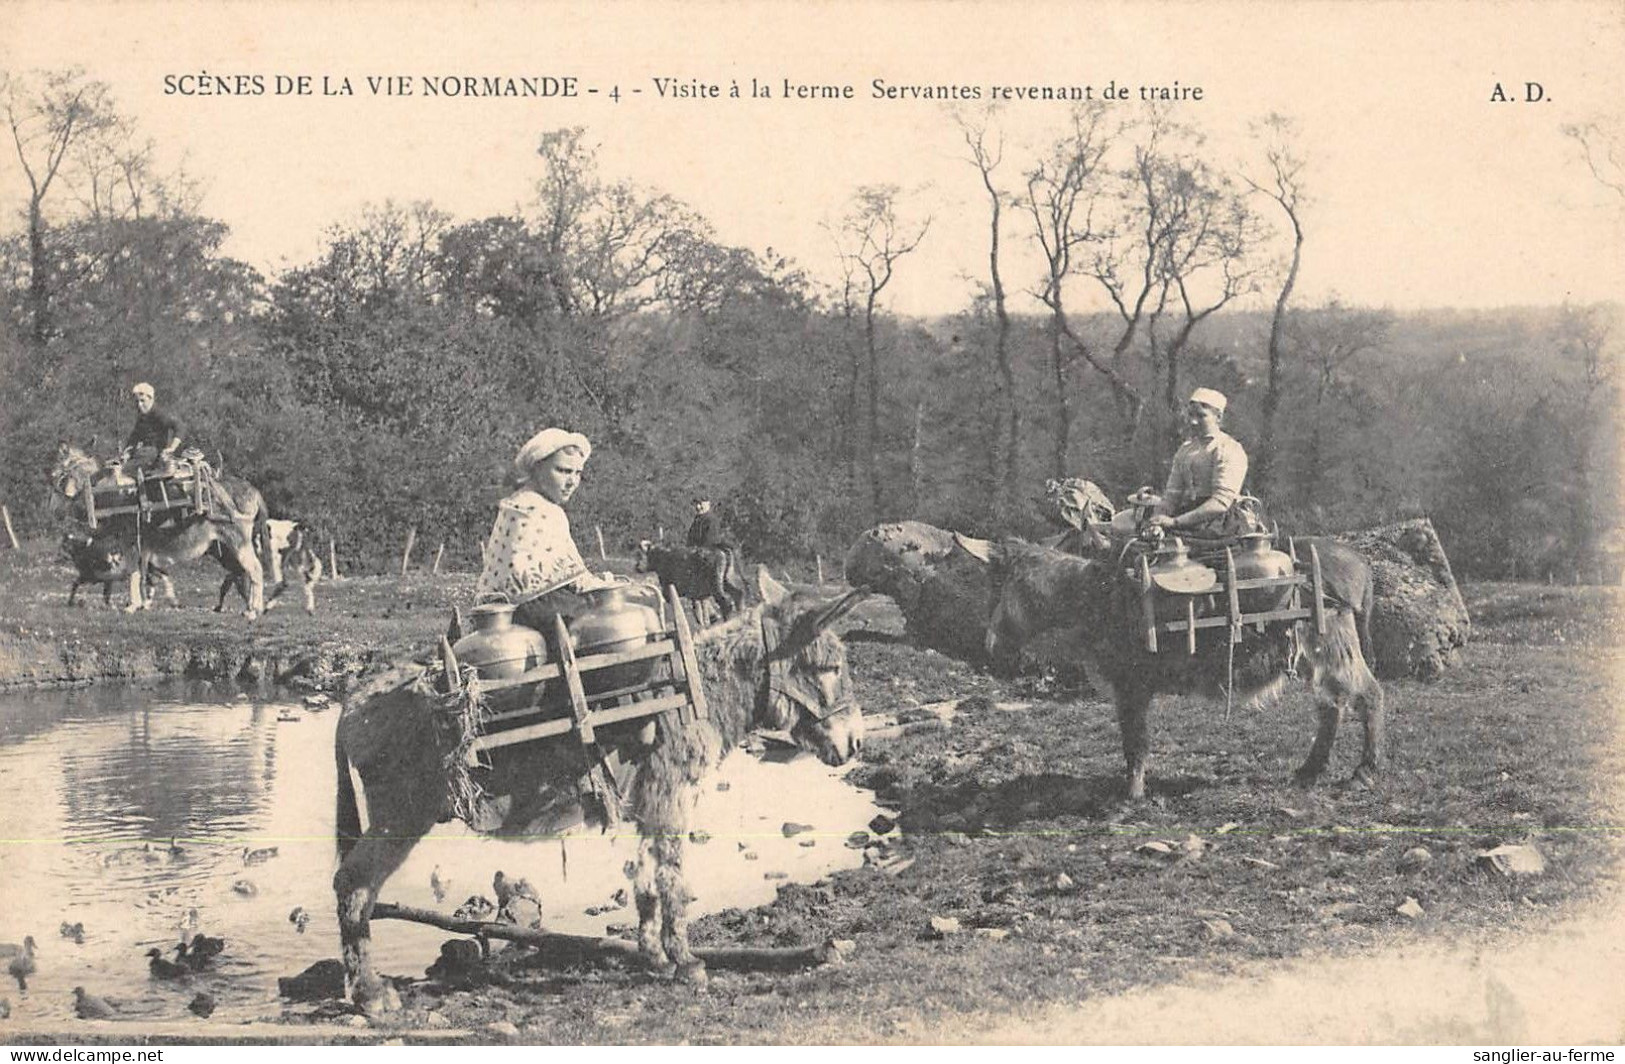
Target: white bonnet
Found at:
545, 443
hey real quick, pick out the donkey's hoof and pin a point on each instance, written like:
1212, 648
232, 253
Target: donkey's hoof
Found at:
1307, 776
693, 973
251, 614
1364, 778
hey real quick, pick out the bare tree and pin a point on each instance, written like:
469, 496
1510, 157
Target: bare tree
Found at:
871, 239
1326, 339
1004, 456
1062, 190
1180, 245
1602, 151
49, 114
1204, 266
1283, 183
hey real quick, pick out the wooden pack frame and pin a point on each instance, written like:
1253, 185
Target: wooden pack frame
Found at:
531, 717
175, 492
1231, 587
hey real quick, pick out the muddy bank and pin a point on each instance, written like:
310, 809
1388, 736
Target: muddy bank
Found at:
359, 623
37, 663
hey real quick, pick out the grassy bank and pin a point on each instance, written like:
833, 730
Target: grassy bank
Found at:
1011, 832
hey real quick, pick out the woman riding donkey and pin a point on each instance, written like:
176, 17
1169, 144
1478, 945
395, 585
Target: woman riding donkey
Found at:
530, 558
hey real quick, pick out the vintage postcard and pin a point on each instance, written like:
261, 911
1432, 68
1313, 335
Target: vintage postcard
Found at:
896, 523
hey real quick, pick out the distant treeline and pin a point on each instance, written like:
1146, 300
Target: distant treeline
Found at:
386, 384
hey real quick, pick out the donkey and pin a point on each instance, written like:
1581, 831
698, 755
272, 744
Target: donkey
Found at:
1044, 588
775, 666
700, 574
233, 531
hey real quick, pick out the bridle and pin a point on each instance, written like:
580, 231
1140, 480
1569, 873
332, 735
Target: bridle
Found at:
783, 689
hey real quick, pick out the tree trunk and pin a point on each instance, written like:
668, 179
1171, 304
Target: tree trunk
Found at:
916, 459
1264, 467
39, 310
1006, 460
1063, 407
874, 408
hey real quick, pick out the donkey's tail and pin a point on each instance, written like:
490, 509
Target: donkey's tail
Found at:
1362, 619
346, 812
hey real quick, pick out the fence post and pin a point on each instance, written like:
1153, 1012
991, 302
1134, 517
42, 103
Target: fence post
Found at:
819, 558
11, 536
660, 533
601, 555
437, 553
332, 558
406, 555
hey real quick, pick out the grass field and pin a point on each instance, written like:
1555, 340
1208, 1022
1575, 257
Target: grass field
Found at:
1013, 820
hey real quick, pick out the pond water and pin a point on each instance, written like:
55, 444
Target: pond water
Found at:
95, 783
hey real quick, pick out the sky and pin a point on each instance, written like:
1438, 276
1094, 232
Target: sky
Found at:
1425, 193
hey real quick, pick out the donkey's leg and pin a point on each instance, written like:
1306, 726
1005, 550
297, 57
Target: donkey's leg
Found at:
138, 600
674, 899
164, 582
356, 883
1329, 707
73, 592
1373, 717
249, 563
646, 893
1339, 675
1133, 713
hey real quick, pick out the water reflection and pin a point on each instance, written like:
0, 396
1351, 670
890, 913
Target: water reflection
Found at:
129, 810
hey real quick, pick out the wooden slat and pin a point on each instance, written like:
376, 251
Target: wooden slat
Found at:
692, 685
1148, 605
548, 729
572, 680
594, 662
1317, 603
1271, 581
1190, 620
593, 700
1233, 601
549, 671
448, 660
1246, 618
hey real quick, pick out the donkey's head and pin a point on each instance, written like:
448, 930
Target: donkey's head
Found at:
807, 686
642, 563
74, 469
1034, 589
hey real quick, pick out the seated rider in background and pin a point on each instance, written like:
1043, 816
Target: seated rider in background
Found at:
1205, 479
156, 437
530, 558
706, 531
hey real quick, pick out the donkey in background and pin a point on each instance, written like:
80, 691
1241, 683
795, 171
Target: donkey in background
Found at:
1041, 588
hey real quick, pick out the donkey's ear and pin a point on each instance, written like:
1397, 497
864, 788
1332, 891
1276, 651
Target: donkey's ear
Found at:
90, 448
825, 616
981, 549
772, 591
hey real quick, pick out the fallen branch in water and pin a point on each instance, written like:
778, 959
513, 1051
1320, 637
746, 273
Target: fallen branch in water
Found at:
563, 950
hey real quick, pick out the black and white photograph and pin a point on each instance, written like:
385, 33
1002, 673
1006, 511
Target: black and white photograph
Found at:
892, 524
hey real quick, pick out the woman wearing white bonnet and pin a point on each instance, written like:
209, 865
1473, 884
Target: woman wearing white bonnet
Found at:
530, 558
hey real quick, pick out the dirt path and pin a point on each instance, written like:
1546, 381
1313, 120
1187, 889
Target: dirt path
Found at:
1561, 987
